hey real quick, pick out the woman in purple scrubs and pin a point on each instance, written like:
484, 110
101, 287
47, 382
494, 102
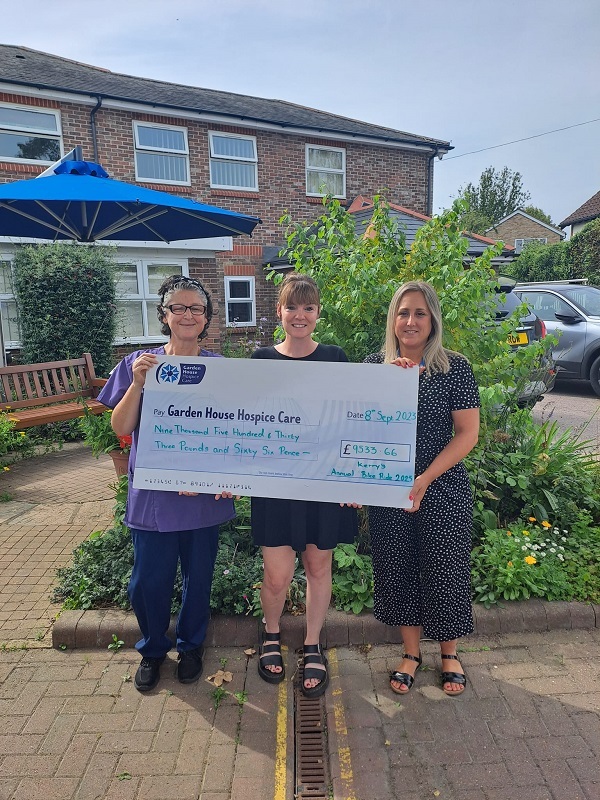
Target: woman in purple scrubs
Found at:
167, 527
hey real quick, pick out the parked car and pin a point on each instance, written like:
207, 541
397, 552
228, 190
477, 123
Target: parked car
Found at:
570, 309
530, 329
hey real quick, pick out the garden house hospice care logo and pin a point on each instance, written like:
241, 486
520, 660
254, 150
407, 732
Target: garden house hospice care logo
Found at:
182, 374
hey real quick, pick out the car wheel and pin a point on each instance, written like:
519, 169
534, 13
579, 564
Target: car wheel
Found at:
595, 376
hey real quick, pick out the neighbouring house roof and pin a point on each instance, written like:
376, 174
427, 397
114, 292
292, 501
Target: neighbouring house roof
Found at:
28, 68
521, 213
408, 221
589, 210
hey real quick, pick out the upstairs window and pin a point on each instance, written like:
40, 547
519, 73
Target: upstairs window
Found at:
29, 134
240, 307
325, 171
161, 154
520, 243
233, 162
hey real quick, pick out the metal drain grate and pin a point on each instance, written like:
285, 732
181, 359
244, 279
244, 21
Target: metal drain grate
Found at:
312, 774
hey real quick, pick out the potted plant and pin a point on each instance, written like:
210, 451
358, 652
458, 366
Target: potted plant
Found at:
99, 435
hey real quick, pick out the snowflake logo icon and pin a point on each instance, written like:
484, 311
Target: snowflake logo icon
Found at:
169, 373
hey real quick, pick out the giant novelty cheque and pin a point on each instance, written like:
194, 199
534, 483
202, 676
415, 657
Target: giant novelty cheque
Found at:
336, 432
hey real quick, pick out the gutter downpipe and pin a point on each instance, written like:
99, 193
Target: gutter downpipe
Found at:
435, 153
93, 113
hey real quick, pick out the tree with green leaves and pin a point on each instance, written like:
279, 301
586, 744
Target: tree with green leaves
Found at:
65, 295
537, 213
498, 194
358, 273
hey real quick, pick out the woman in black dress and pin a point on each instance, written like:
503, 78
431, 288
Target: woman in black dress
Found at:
421, 554
284, 527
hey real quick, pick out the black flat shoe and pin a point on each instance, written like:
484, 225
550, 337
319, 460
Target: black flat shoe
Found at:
404, 678
148, 673
314, 655
269, 655
189, 667
453, 677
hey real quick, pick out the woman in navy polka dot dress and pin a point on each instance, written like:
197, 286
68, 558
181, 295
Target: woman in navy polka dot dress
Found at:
421, 554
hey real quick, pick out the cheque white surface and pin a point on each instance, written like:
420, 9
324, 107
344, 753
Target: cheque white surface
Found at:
336, 432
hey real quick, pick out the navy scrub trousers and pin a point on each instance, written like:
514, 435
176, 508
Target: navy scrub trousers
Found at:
151, 586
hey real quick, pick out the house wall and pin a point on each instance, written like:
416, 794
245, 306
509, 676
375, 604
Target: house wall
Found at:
401, 174
519, 227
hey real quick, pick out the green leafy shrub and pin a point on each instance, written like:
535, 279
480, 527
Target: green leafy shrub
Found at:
352, 587
236, 578
98, 433
521, 469
583, 564
13, 444
65, 295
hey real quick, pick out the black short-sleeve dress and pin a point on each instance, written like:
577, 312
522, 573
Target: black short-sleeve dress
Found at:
296, 523
422, 560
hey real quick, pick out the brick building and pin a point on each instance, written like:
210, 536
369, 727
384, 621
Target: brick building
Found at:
247, 154
519, 228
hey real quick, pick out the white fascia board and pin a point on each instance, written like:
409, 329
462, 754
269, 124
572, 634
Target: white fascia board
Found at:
167, 111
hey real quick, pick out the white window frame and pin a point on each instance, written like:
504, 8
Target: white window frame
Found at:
341, 171
520, 243
145, 296
41, 132
9, 297
216, 157
231, 323
139, 148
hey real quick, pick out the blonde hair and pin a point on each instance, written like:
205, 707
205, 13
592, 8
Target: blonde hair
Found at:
435, 354
298, 289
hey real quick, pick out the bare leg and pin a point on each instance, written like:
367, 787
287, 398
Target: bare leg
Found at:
278, 572
317, 565
449, 648
411, 637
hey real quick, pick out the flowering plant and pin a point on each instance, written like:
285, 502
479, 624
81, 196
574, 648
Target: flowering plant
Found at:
125, 443
526, 561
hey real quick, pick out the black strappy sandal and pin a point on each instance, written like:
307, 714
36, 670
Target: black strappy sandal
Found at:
453, 677
405, 678
269, 655
314, 655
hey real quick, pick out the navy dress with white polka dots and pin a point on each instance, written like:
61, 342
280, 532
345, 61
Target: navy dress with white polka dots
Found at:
422, 560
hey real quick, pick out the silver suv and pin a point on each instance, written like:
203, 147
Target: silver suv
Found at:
571, 309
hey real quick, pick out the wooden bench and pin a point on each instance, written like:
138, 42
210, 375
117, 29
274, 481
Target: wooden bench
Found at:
34, 394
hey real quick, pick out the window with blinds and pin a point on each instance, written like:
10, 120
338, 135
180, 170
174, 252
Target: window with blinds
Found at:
161, 154
233, 162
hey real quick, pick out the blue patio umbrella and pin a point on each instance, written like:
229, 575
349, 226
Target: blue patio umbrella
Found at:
79, 201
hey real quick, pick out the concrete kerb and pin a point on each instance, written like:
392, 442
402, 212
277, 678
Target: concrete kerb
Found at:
92, 629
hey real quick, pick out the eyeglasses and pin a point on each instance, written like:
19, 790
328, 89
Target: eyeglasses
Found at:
178, 310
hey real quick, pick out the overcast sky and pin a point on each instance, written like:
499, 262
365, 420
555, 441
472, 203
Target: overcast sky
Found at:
476, 73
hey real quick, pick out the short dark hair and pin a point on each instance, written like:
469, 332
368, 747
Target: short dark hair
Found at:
298, 288
181, 283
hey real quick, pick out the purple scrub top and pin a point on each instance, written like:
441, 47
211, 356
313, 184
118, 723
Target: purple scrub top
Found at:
148, 509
